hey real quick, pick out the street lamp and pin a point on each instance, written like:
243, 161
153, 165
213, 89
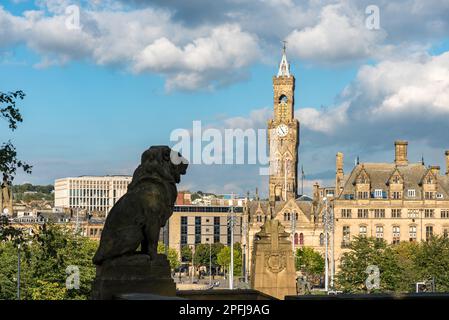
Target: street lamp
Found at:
210, 263
231, 226
193, 258
18, 271
245, 274
326, 262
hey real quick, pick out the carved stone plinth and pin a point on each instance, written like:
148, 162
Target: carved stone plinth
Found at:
133, 274
273, 267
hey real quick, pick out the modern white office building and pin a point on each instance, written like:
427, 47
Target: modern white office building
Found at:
90, 193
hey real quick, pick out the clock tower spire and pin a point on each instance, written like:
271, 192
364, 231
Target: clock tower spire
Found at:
283, 136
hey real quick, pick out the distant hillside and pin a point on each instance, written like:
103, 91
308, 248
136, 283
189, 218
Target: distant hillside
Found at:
28, 192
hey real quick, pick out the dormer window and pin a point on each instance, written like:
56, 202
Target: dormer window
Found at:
378, 194
411, 193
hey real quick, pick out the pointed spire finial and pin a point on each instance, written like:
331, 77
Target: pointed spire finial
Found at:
284, 66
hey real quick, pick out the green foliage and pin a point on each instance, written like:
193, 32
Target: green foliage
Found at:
400, 265
204, 253
8, 154
45, 258
28, 192
224, 258
186, 254
172, 255
432, 261
310, 263
364, 252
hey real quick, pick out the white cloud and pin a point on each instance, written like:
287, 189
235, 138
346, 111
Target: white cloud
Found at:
226, 48
340, 35
406, 98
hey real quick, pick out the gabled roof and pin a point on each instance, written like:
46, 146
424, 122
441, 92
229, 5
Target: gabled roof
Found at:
380, 173
395, 171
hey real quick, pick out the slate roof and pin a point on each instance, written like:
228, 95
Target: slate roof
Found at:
380, 173
304, 205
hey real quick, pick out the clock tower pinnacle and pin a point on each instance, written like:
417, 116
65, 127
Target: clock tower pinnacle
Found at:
283, 136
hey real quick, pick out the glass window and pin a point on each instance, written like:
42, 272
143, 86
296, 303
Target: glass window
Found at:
396, 234
362, 231
429, 213
429, 233
396, 213
379, 232
412, 233
362, 213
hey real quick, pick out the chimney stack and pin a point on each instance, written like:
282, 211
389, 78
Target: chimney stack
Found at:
447, 162
400, 157
339, 174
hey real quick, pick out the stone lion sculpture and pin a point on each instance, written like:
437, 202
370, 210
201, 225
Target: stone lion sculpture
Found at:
136, 219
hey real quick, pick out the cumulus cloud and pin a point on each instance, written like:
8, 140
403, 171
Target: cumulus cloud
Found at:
144, 40
196, 63
340, 35
205, 44
406, 98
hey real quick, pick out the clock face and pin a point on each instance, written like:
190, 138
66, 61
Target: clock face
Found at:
282, 130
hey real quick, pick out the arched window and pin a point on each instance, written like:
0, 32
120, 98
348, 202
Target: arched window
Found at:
285, 216
288, 216
296, 216
301, 239
283, 99
296, 239
321, 239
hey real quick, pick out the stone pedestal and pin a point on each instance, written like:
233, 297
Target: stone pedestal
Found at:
133, 275
273, 266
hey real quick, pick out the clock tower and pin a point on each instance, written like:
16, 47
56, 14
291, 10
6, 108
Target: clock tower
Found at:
283, 136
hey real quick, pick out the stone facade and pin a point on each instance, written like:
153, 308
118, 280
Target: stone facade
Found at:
273, 270
283, 137
398, 201
299, 216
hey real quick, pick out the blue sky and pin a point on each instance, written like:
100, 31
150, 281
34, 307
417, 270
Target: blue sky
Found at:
98, 96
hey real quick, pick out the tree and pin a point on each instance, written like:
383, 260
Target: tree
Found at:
8, 155
206, 254
47, 258
224, 258
310, 263
186, 254
364, 252
172, 257
400, 265
432, 262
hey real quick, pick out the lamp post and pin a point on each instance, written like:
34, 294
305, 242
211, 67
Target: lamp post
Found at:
245, 274
231, 226
210, 263
18, 271
193, 258
326, 262
332, 229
